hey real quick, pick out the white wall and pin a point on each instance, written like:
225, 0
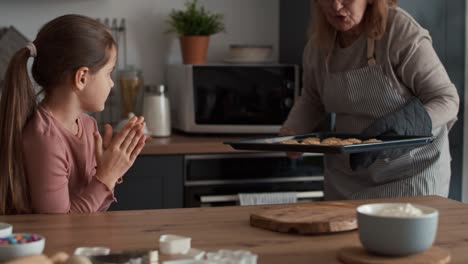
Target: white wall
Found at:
148, 46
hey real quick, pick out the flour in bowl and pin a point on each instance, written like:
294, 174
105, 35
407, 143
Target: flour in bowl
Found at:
406, 210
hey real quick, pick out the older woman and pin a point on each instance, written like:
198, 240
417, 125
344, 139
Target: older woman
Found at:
373, 65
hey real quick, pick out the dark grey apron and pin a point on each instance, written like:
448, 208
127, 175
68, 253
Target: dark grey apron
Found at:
359, 97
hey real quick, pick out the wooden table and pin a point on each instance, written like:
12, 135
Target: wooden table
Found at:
223, 227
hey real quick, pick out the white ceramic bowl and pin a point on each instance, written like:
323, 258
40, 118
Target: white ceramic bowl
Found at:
8, 252
174, 244
91, 251
5, 229
396, 235
250, 53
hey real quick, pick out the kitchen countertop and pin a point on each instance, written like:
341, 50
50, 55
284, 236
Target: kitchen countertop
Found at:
224, 228
180, 143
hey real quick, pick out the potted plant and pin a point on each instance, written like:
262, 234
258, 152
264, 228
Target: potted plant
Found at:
194, 26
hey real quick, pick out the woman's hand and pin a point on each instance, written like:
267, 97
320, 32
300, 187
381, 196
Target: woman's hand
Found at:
289, 132
115, 155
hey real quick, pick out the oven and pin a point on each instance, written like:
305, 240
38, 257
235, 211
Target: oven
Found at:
216, 180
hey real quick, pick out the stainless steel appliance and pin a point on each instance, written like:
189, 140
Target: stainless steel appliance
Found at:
216, 180
231, 98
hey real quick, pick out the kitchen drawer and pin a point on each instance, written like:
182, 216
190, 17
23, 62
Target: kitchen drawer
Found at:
153, 182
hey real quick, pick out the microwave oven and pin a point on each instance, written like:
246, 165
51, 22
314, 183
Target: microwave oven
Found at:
228, 98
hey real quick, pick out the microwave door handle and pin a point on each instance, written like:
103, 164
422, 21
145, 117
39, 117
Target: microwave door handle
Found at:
235, 198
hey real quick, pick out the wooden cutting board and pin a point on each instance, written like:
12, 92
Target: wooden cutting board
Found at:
358, 255
307, 219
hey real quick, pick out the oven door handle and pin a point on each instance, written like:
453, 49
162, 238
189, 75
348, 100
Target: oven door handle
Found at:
317, 178
235, 198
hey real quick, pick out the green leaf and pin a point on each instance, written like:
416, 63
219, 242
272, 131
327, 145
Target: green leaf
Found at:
195, 21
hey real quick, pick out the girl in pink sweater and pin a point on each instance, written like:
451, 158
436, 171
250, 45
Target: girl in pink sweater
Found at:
53, 158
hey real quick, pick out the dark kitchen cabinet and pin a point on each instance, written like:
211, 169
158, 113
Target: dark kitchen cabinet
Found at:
157, 181
445, 21
153, 182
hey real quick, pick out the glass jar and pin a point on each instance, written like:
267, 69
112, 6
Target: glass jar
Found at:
131, 82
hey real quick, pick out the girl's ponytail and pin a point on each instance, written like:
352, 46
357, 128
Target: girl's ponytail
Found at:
17, 102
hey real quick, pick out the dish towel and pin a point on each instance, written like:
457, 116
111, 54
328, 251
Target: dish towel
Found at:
267, 198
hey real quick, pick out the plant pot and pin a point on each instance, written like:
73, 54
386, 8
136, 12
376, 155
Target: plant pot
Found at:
194, 49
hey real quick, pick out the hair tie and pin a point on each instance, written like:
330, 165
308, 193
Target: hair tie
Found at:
32, 49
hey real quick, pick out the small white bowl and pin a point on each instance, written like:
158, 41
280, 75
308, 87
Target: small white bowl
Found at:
396, 235
8, 252
91, 251
173, 244
5, 229
250, 53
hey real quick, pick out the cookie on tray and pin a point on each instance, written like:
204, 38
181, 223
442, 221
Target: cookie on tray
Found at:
311, 141
354, 140
332, 141
346, 142
291, 141
372, 140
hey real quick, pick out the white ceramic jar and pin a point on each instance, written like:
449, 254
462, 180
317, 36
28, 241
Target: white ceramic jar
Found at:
156, 111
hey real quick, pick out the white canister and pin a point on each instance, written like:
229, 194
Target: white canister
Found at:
156, 111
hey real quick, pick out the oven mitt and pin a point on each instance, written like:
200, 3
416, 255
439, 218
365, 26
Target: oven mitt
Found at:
410, 120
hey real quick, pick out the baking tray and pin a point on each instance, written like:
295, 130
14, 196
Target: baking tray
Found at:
273, 143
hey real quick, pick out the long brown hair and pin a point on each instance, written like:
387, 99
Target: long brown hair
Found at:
63, 45
374, 21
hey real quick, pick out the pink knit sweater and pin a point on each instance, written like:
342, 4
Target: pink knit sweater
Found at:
61, 167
